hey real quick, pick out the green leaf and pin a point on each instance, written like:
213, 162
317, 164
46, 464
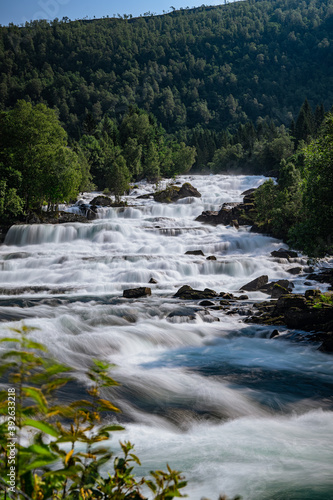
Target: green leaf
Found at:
37, 395
10, 339
104, 404
42, 426
113, 428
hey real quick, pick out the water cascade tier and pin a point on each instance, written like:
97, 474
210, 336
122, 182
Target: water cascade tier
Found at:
237, 411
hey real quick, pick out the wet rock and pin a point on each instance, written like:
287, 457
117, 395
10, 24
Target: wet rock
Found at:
144, 196
249, 192
242, 297
282, 253
185, 312
194, 252
174, 193
268, 288
256, 284
206, 303
224, 302
275, 333
307, 283
294, 270
211, 257
152, 281
103, 201
324, 276
278, 291
235, 223
134, 293
188, 293
306, 312
327, 345
227, 296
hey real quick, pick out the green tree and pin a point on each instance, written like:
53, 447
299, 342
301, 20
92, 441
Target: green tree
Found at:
33, 143
118, 177
315, 232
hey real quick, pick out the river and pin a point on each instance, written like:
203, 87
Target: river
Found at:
236, 411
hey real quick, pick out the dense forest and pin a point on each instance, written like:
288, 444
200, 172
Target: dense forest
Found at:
211, 67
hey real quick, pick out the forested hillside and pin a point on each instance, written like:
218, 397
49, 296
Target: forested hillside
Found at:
214, 67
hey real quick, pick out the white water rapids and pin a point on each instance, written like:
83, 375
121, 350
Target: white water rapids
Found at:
236, 411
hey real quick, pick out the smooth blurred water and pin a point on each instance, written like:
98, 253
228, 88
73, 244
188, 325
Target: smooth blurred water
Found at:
238, 412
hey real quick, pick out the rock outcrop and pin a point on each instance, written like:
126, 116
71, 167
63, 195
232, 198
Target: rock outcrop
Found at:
235, 214
311, 312
134, 293
255, 284
174, 193
188, 293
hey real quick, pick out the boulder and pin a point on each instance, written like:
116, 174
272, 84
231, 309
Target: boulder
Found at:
206, 303
144, 196
294, 270
194, 252
188, 293
174, 193
324, 276
152, 281
327, 345
211, 257
185, 312
227, 296
103, 201
134, 293
275, 333
269, 287
278, 291
256, 284
282, 253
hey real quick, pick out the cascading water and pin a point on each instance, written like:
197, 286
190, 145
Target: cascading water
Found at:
238, 412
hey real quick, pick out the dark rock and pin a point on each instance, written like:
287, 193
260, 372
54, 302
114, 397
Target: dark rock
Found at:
211, 257
194, 252
103, 201
248, 192
188, 293
224, 302
327, 345
153, 281
269, 287
206, 303
324, 276
307, 283
284, 254
294, 270
275, 333
289, 302
144, 196
209, 217
175, 193
231, 213
278, 291
242, 297
312, 294
227, 296
183, 312
256, 284
134, 293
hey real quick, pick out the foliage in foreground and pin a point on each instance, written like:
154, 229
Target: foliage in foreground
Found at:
64, 457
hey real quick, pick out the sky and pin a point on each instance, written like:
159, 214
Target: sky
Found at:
20, 11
